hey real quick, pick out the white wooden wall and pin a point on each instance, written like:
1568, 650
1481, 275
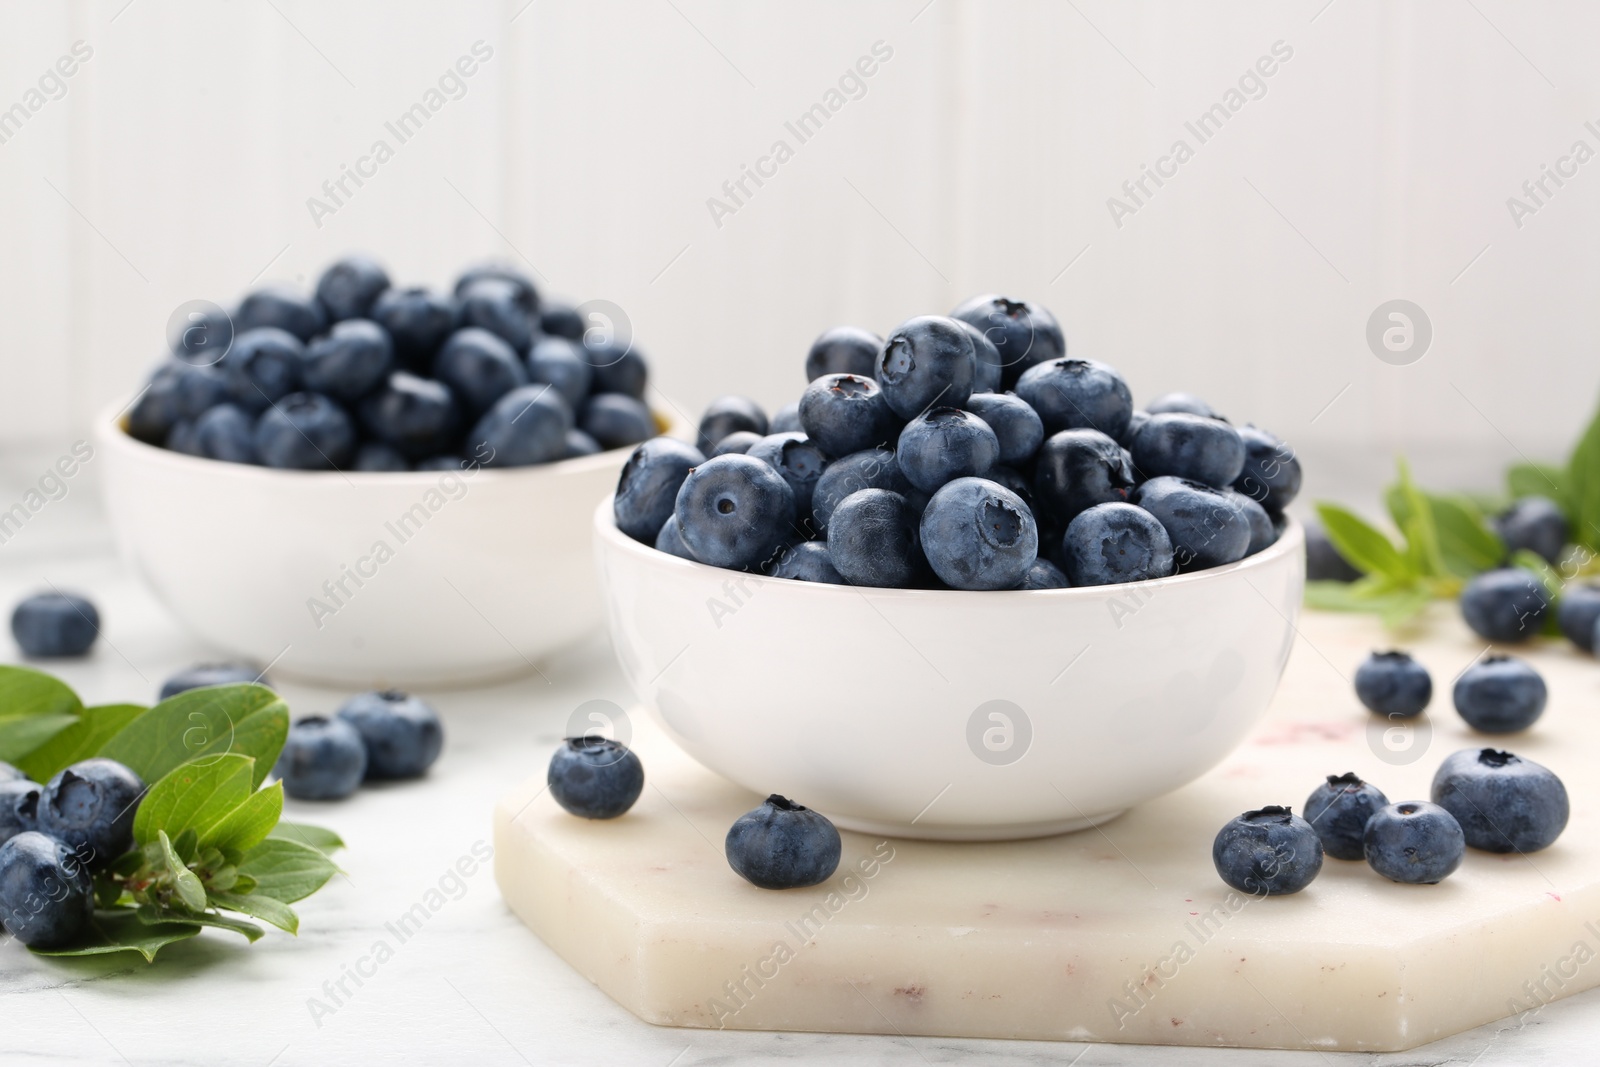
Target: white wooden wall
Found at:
1377, 165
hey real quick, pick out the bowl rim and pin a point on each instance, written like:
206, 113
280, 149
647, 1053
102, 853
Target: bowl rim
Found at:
1291, 540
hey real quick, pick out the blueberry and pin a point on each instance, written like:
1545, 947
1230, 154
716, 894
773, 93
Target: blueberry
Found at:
280, 307
1268, 852
616, 420
491, 304
54, 625
730, 414
479, 368
1113, 543
446, 462
1189, 446
1015, 424
978, 535
19, 805
559, 362
616, 370
176, 392
1271, 474
734, 511
415, 416
1044, 575
988, 375
226, 432
782, 845
580, 444
670, 540
845, 413
1078, 469
873, 540
647, 489
262, 367
349, 288
1577, 612
525, 296
374, 456
1503, 802
183, 439
1015, 481
1262, 532
1415, 842
927, 360
401, 732
807, 561
786, 420
871, 468
305, 431
1206, 527
560, 320
1169, 403
843, 350
322, 759
1339, 810
737, 443
1024, 335
1135, 422
1506, 605
1500, 695
89, 807
350, 361
1535, 523
204, 340
1393, 684
46, 897
1323, 562
1073, 394
801, 463
202, 675
595, 778
417, 321
944, 444
526, 426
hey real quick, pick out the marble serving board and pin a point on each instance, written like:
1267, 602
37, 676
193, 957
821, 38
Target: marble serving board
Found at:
1122, 933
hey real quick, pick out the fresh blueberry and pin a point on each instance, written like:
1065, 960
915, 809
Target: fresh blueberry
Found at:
616, 369
730, 414
786, 420
782, 845
349, 288
479, 368
1578, 611
799, 461
19, 806
374, 456
262, 367
349, 361
492, 305
446, 462
988, 375
1135, 422
1416, 842
1188, 403
1015, 481
55, 625
46, 897
280, 307
560, 320
1339, 810
559, 362
1076, 470
1262, 532
1507, 605
873, 540
183, 439
1015, 424
647, 489
177, 392
1206, 527
870, 468
305, 431
944, 444
525, 295
927, 360
526, 426
1500, 695
1323, 562
978, 535
843, 350
1535, 523
580, 444
417, 321
1023, 334
845, 413
1393, 684
807, 561
594, 777
1268, 852
202, 675
1503, 802
734, 511
322, 759
1044, 575
1073, 394
670, 540
616, 420
737, 443
226, 432
402, 732
1271, 474
204, 340
416, 417
1189, 446
1113, 543
89, 807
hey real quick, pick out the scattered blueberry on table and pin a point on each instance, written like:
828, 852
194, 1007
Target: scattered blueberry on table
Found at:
1414, 842
207, 674
1394, 684
401, 733
46, 897
595, 777
1267, 852
1339, 809
783, 845
1507, 605
1500, 695
323, 759
1503, 802
55, 625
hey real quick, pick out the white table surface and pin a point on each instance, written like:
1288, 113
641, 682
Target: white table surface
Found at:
473, 986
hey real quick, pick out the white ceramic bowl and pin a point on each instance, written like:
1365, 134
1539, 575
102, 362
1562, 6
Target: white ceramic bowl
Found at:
419, 578
953, 715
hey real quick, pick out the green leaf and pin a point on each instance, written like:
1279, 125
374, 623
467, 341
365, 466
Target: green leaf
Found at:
1532, 561
246, 720
1370, 595
1539, 479
120, 930
1583, 481
325, 841
22, 734
287, 870
25, 691
1402, 605
194, 796
248, 824
1466, 541
265, 908
1413, 515
185, 881
1367, 549
148, 913
92, 728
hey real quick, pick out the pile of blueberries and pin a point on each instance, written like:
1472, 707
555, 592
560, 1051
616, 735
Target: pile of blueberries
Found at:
1482, 798
364, 376
779, 845
963, 452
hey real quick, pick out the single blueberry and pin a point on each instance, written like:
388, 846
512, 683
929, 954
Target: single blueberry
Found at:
843, 350
1323, 562
1044, 575
183, 439
1507, 605
1189, 446
1268, 852
1577, 612
1015, 481
786, 420
647, 489
89, 807
1535, 523
594, 777
616, 369
282, 308
156, 410
374, 456
927, 360
525, 426
262, 367
492, 305
1500, 695
616, 420
205, 337
807, 561
738, 443
349, 361
559, 362
1135, 422
1415, 842
873, 540
305, 431
1339, 809
988, 374
870, 468
417, 321
978, 535
734, 511
783, 845
1076, 470
1262, 532
202, 675
1074, 394
730, 414
226, 432
479, 368
580, 444
944, 444
416, 417
560, 320
1271, 474
446, 462
350, 286
1015, 424
46, 897
55, 625
401, 732
801, 463
1169, 403
845, 413
322, 759
199, 389
1206, 527
1024, 335
1503, 802
525, 295
670, 540
1393, 684
19, 806
1113, 543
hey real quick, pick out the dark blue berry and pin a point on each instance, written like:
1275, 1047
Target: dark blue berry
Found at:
55, 625
783, 845
843, 350
1507, 605
616, 369
1268, 852
846, 413
46, 896
1015, 424
1500, 695
735, 511
1024, 335
1503, 802
786, 420
417, 321
1393, 684
525, 426
1189, 446
262, 367
560, 363
807, 561
616, 421
349, 288
494, 305
926, 361
1415, 842
202, 675
322, 759
988, 375
1323, 562
1534, 523
1339, 809
670, 540
479, 368
872, 468
401, 732
1577, 612
560, 320
525, 295
873, 540
1262, 531
944, 444
374, 456
580, 444
349, 361
89, 807
19, 805
1044, 575
417, 417
305, 431
647, 488
1113, 543
794, 456
1206, 527
1076, 470
1271, 474
1169, 403
977, 534
595, 778
226, 432
1075, 394
280, 307
730, 414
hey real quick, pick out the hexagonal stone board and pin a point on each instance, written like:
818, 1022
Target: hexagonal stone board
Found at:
1119, 934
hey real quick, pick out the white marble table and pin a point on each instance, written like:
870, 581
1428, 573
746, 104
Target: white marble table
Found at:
473, 985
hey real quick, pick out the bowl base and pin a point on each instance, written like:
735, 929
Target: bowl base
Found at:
1020, 831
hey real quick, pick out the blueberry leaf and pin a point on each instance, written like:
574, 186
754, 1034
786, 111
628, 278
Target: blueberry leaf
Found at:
265, 908
92, 729
149, 913
287, 870
194, 796
1413, 515
121, 930
1465, 539
324, 841
1583, 487
184, 881
248, 824
22, 734
1367, 549
1539, 479
246, 720
24, 691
